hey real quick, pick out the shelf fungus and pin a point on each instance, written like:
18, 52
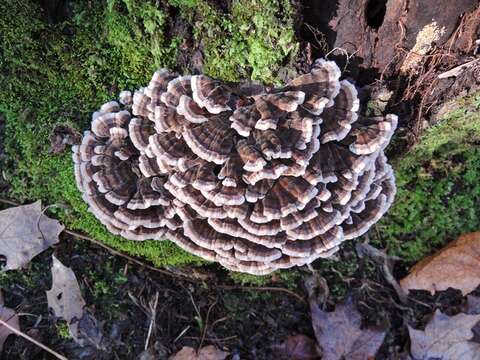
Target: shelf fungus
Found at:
254, 178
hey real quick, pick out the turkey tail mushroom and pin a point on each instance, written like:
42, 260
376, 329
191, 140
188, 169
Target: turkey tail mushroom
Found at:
257, 180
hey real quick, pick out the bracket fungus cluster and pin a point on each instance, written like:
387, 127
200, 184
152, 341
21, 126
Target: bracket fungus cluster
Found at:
254, 178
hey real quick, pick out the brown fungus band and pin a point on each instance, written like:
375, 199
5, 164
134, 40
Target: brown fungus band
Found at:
257, 179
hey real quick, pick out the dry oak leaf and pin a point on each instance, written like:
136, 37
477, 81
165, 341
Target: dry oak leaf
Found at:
24, 233
209, 352
11, 318
340, 335
65, 297
446, 338
457, 266
473, 308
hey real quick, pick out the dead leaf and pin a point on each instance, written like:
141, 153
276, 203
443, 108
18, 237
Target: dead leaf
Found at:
24, 233
90, 332
61, 136
65, 297
473, 308
209, 352
473, 305
340, 335
11, 318
457, 266
298, 347
446, 338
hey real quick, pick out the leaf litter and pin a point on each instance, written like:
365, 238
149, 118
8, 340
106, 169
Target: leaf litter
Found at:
11, 318
26, 232
456, 266
446, 337
65, 298
339, 334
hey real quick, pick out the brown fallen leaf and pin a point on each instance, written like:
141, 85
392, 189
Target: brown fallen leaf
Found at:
11, 318
209, 352
297, 347
24, 233
457, 266
340, 336
446, 338
65, 297
473, 308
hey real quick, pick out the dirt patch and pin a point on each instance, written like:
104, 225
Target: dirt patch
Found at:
207, 308
189, 313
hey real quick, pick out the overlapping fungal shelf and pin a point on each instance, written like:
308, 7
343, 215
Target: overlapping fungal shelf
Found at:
255, 179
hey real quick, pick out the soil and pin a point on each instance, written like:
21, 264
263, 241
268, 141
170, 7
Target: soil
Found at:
191, 312
208, 308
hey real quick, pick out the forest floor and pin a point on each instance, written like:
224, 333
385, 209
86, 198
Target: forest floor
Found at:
435, 154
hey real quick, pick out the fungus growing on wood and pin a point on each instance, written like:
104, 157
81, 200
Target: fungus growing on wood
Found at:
255, 180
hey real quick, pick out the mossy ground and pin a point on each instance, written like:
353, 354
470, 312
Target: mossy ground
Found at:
438, 194
59, 73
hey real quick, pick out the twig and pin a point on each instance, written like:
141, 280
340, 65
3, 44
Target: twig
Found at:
458, 69
322, 43
153, 315
32, 340
344, 52
181, 334
9, 202
263, 288
125, 256
221, 320
166, 272
206, 323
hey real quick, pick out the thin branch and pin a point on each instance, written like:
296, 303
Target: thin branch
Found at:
206, 323
153, 316
125, 256
32, 340
263, 288
9, 202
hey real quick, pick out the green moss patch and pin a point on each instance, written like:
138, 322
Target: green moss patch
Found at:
257, 35
438, 188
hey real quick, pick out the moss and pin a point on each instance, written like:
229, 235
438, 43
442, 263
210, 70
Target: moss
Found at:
438, 189
63, 330
288, 278
60, 73
253, 40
